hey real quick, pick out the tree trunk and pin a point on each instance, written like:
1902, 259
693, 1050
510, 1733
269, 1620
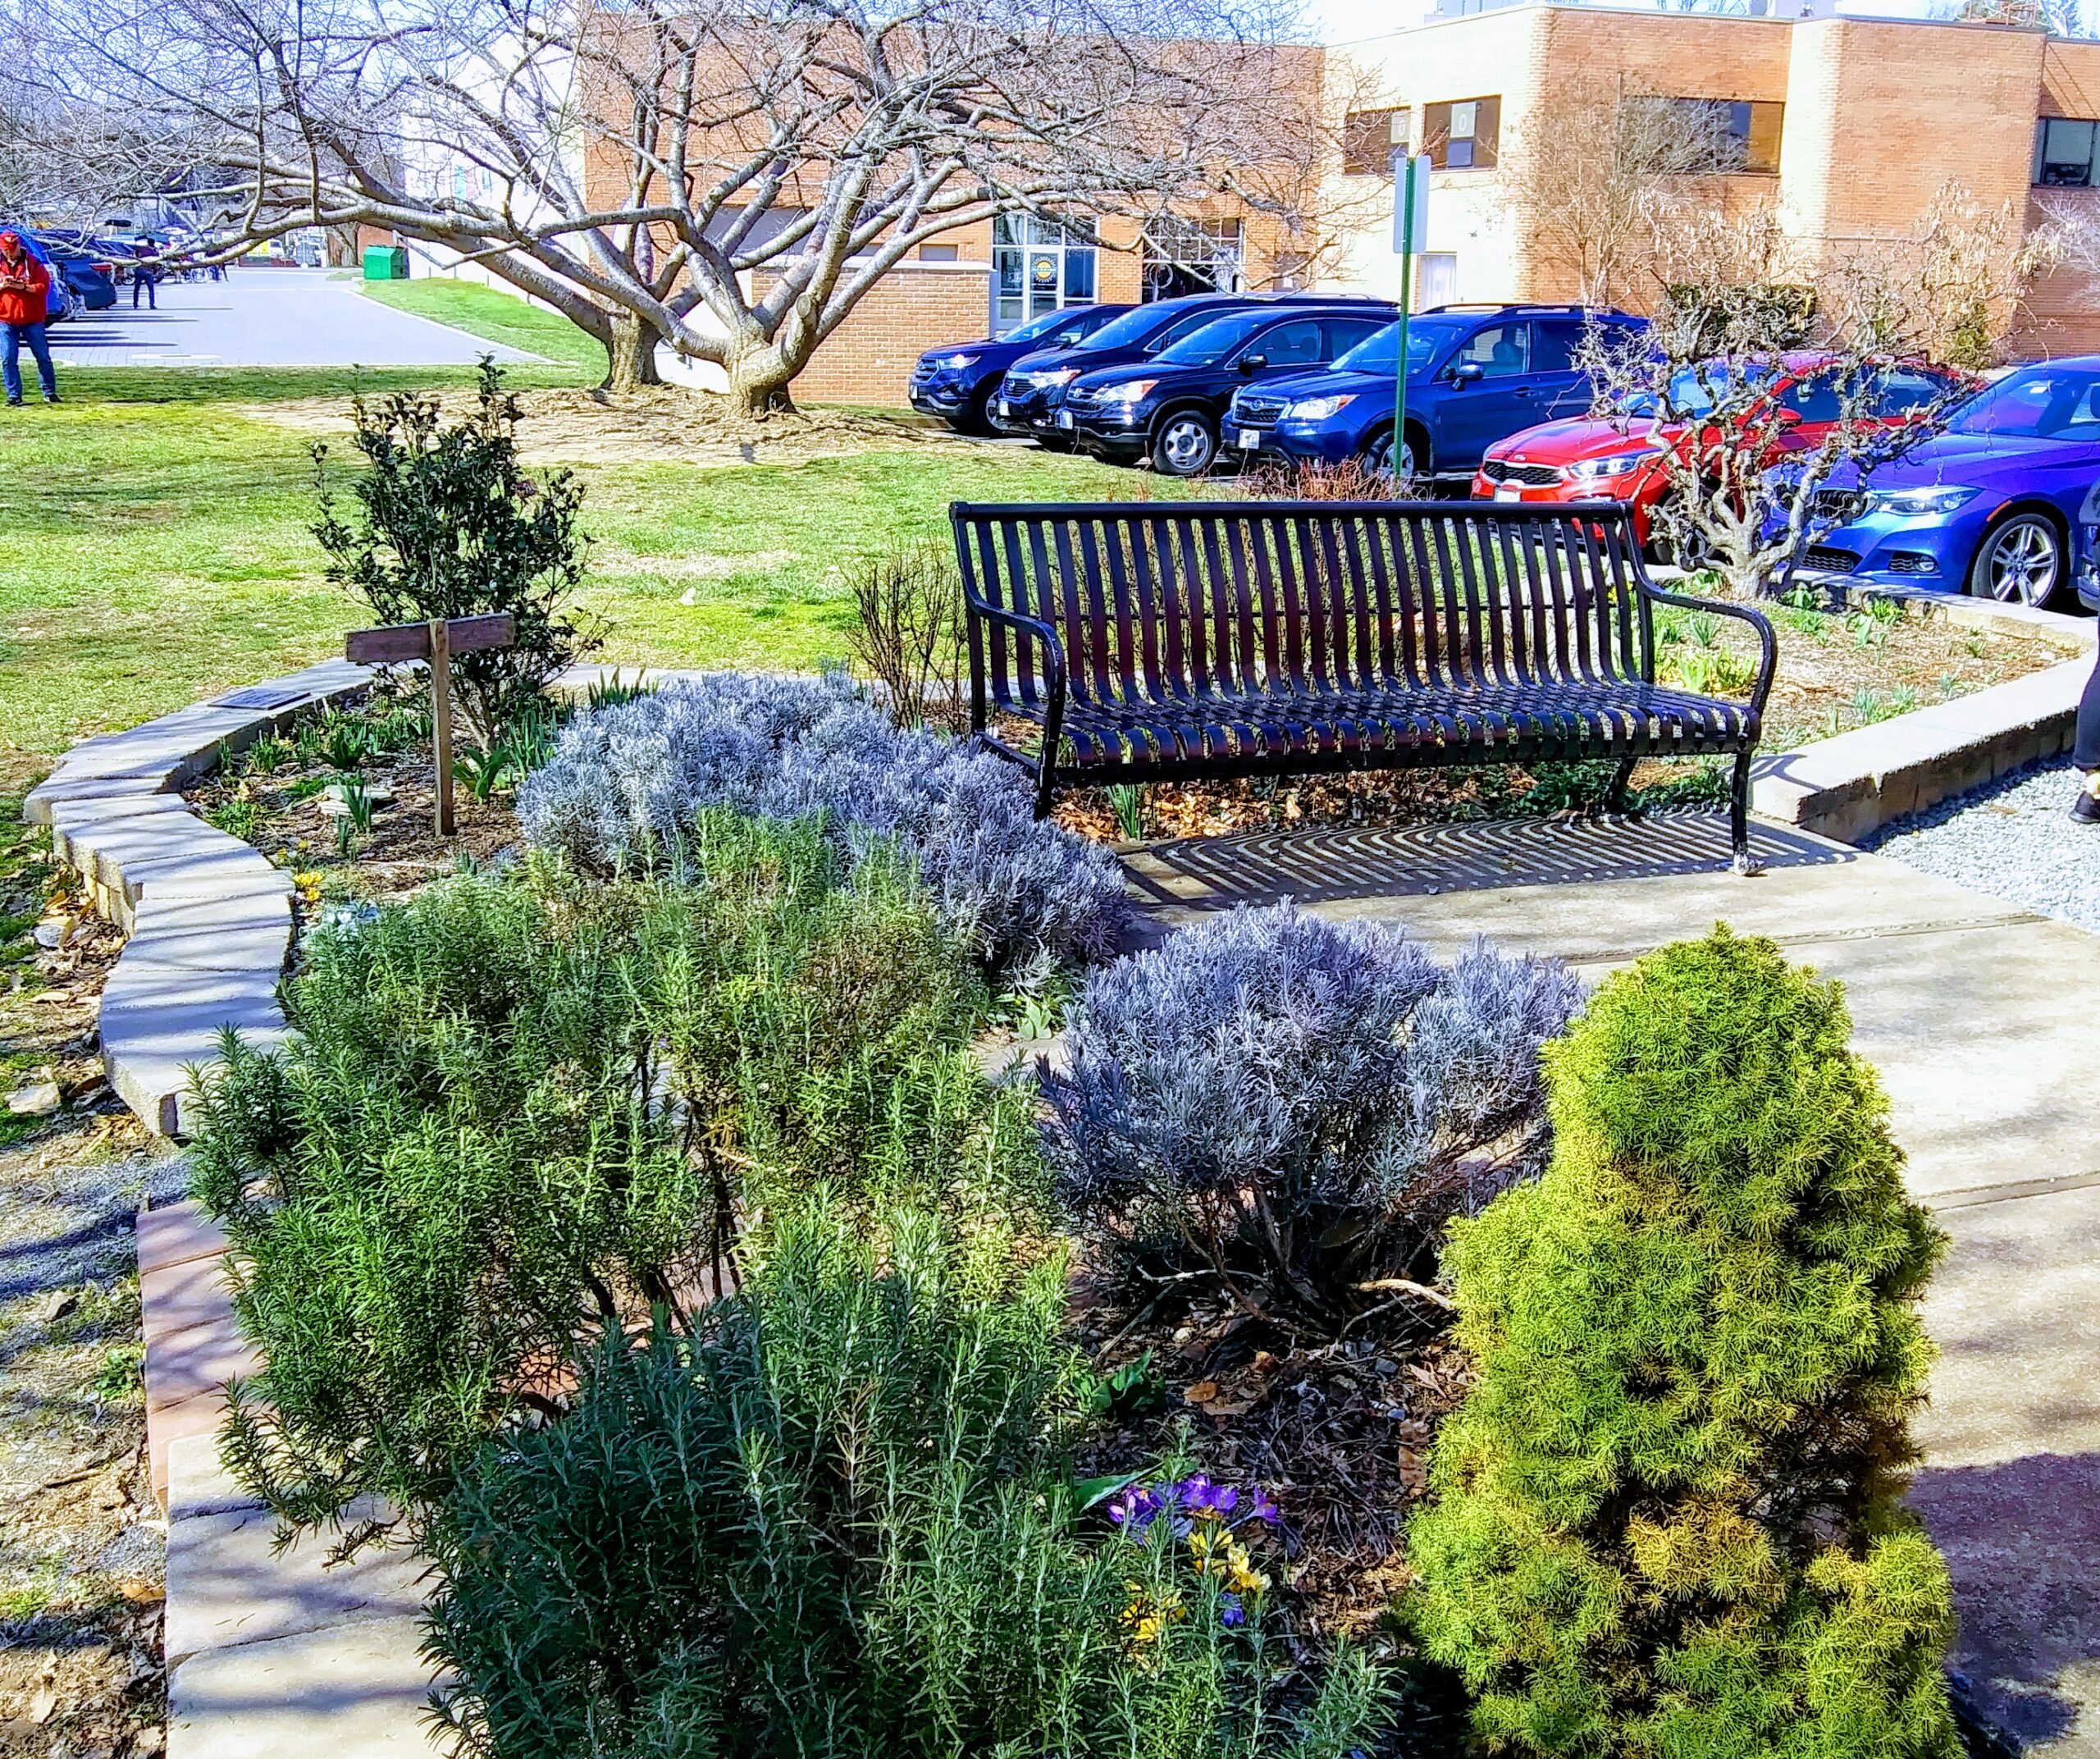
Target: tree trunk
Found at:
759, 379
630, 356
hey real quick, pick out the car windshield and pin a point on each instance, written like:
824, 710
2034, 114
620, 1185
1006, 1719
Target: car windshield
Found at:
1697, 389
1130, 329
1036, 328
1207, 346
2036, 403
1380, 352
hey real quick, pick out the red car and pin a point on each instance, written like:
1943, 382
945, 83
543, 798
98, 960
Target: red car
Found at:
1588, 458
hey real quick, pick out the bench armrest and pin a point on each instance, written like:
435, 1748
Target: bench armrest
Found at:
1053, 669
1768, 643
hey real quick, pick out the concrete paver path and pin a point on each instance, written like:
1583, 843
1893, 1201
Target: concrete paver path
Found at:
260, 317
1984, 1022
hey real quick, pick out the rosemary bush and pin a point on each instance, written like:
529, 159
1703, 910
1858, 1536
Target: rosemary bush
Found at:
1299, 1106
625, 783
447, 524
518, 1110
1669, 1518
842, 1522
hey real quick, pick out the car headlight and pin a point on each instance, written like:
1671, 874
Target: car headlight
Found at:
1910, 503
1129, 391
1055, 375
1319, 408
954, 363
1609, 468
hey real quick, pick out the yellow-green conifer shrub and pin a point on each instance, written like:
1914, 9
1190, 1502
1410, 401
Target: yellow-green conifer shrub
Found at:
1667, 1522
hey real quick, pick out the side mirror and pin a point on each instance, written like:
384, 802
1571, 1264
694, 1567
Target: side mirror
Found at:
1251, 364
1789, 417
1468, 372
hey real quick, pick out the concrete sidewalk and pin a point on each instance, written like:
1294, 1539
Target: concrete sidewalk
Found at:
1984, 1022
266, 316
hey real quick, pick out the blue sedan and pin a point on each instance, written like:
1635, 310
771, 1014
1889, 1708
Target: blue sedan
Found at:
1990, 507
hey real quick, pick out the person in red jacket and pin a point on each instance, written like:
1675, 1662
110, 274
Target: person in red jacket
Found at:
24, 302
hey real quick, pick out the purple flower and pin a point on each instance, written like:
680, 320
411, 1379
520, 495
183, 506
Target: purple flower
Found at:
1234, 1614
1199, 1495
1133, 1510
1261, 1509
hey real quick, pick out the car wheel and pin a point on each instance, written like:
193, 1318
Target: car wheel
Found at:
1054, 442
2021, 562
975, 417
1674, 542
1186, 444
1377, 457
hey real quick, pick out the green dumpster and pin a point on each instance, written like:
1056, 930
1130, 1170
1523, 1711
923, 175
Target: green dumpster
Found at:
385, 262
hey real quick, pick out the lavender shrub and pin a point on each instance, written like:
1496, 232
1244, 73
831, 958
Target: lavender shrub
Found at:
1299, 1106
625, 781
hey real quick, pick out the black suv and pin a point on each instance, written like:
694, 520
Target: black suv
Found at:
956, 380
1168, 408
1034, 388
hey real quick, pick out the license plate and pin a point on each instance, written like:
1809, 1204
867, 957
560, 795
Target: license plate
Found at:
1507, 491
1249, 439
1004, 407
1064, 417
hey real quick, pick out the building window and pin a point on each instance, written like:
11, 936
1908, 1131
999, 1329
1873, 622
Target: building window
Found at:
1038, 266
2064, 153
1190, 256
1462, 136
1368, 142
937, 253
1723, 135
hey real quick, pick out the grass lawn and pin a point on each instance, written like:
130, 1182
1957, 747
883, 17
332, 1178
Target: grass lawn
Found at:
154, 543
496, 318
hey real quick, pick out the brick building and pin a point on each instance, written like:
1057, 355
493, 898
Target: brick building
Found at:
1848, 127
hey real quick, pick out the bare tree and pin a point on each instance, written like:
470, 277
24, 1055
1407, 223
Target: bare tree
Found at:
725, 178
1754, 386
1603, 173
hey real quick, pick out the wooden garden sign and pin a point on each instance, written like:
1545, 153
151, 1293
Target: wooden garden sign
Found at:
435, 642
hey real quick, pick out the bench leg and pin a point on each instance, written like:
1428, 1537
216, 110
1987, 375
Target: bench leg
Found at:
1046, 788
1615, 805
1739, 817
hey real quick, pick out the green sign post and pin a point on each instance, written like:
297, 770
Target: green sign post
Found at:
1410, 223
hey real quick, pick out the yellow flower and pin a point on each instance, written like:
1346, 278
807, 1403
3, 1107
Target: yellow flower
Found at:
307, 882
1207, 1543
1244, 1579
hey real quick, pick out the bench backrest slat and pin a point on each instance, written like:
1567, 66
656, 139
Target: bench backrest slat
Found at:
1159, 604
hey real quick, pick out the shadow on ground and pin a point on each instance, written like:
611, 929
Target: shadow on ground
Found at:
2021, 1538
1333, 866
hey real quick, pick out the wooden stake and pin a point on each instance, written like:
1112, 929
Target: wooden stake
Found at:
441, 718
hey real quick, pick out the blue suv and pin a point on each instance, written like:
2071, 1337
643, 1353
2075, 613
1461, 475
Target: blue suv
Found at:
1031, 396
1476, 374
956, 380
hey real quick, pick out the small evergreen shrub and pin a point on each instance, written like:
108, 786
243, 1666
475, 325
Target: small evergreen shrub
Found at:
842, 1522
1668, 1519
518, 1110
1299, 1105
627, 782
447, 524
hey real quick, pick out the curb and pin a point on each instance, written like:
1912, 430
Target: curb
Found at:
1848, 787
208, 919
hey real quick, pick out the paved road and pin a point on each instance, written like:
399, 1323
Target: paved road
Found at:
266, 317
1979, 1016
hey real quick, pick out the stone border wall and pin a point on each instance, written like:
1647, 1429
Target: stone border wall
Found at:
1848, 787
209, 918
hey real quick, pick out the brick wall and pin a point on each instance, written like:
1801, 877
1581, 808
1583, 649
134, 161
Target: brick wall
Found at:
868, 358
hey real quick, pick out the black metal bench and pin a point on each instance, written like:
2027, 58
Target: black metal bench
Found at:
1153, 642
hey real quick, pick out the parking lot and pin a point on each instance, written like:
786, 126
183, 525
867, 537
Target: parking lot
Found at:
265, 316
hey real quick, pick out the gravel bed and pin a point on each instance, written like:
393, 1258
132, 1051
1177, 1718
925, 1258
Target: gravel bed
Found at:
2014, 838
